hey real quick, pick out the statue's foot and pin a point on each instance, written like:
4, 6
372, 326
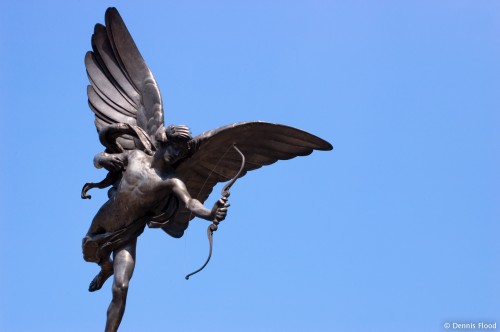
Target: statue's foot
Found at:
100, 279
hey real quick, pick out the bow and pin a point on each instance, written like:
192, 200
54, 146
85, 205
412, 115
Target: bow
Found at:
215, 223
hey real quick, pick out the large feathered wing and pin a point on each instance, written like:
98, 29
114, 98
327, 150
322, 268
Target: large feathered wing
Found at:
212, 158
122, 88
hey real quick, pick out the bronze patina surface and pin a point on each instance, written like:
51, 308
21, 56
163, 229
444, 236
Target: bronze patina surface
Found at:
159, 176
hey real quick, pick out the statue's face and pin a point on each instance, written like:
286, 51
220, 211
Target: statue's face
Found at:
174, 151
169, 153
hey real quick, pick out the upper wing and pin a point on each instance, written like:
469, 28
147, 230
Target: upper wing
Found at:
212, 158
122, 88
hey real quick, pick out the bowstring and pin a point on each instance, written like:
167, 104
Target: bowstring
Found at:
198, 196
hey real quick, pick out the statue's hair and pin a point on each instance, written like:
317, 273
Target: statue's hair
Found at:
180, 133
174, 133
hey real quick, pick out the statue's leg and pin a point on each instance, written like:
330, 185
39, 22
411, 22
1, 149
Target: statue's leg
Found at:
106, 271
106, 263
124, 263
102, 218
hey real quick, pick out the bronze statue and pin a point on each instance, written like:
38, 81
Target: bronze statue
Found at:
159, 176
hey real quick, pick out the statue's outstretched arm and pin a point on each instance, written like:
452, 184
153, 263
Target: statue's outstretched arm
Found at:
109, 180
114, 163
218, 212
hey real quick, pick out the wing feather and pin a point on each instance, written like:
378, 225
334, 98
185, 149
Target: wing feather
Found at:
107, 110
270, 153
122, 88
109, 63
129, 58
100, 116
99, 124
103, 86
136, 70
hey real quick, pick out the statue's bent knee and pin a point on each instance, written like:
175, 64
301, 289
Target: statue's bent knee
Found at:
90, 250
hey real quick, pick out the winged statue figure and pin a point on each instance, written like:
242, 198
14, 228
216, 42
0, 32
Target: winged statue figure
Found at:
159, 176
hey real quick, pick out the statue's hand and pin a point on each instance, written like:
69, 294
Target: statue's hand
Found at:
219, 211
86, 187
111, 162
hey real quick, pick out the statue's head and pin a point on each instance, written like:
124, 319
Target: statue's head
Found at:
172, 133
172, 143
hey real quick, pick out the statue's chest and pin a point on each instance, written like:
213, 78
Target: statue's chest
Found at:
139, 175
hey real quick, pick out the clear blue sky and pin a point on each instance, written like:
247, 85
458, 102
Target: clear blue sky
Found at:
397, 229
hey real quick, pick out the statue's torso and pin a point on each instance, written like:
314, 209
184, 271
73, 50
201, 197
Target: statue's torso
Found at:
140, 191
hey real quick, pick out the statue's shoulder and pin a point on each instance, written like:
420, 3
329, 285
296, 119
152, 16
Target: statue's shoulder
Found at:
138, 155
